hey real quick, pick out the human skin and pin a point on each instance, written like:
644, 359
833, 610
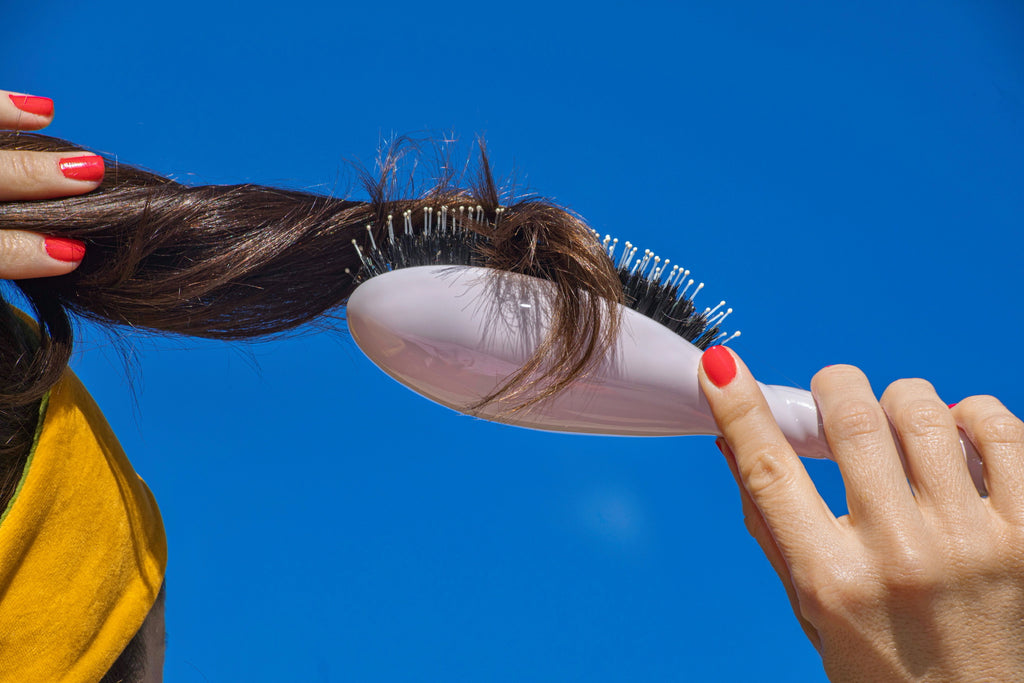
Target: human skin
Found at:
39, 175
923, 580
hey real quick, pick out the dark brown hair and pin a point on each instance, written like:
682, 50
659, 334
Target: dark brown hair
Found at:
244, 261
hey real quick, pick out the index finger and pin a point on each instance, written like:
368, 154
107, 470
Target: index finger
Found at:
19, 111
770, 470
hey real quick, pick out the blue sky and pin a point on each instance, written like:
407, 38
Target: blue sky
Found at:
848, 175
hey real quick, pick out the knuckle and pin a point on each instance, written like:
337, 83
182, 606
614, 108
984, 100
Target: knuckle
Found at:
922, 417
915, 570
837, 371
905, 569
856, 418
764, 471
14, 246
911, 386
18, 250
822, 377
828, 379
22, 166
1000, 429
736, 411
974, 407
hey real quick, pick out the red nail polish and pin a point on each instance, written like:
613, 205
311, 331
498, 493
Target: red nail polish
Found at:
33, 105
953, 405
82, 168
65, 249
718, 365
718, 444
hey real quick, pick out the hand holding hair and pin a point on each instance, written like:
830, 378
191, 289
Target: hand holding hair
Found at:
924, 578
39, 175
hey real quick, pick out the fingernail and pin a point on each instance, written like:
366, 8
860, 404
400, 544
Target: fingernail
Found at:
953, 405
65, 249
721, 446
83, 168
718, 365
33, 105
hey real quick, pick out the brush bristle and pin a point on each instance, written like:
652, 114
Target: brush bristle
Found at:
442, 237
663, 295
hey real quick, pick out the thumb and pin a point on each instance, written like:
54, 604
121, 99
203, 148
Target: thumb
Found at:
757, 528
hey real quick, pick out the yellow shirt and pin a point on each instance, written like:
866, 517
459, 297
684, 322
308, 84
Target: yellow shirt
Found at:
82, 548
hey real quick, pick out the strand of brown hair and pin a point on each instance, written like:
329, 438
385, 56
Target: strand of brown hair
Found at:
245, 261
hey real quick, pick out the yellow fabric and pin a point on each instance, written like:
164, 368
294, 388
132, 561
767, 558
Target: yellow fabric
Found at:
82, 549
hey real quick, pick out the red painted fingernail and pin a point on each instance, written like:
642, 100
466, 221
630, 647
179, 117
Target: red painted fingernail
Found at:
82, 168
718, 444
33, 105
65, 249
719, 365
953, 405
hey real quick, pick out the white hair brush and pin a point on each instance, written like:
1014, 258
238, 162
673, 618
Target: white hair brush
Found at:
454, 333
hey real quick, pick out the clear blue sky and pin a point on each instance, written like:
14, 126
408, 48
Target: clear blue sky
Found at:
848, 175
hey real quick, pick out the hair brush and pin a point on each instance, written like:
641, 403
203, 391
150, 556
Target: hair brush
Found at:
513, 313
427, 314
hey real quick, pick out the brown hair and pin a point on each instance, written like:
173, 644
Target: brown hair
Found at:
243, 261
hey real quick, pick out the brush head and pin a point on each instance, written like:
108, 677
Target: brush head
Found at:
459, 236
453, 333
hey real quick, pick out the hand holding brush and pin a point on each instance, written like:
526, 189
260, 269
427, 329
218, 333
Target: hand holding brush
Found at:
923, 580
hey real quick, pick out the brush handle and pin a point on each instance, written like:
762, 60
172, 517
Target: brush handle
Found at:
454, 333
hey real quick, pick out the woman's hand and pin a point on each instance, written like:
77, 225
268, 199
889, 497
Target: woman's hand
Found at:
923, 579
39, 175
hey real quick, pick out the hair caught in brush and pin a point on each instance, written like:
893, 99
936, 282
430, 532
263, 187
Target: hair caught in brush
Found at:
245, 261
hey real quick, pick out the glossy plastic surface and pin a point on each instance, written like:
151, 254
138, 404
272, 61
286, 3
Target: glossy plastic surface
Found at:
455, 333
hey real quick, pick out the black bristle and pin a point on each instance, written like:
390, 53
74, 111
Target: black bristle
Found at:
663, 304
440, 240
